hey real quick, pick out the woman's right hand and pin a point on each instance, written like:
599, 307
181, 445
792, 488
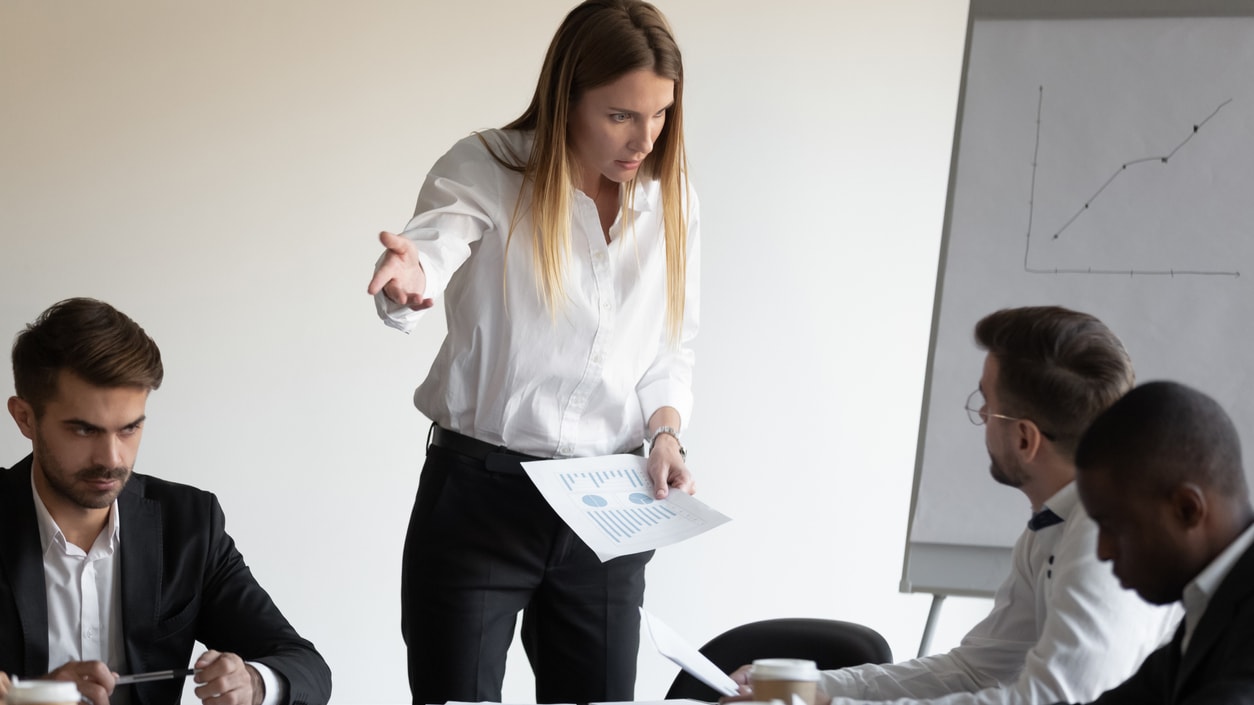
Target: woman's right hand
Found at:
400, 275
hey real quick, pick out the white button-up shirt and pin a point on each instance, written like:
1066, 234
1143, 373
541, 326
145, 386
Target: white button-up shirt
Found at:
1061, 630
84, 616
580, 381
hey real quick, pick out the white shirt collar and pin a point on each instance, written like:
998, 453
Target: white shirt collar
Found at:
1200, 589
646, 192
1063, 501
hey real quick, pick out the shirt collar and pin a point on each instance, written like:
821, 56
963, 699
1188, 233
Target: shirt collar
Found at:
646, 194
1063, 501
50, 532
1200, 589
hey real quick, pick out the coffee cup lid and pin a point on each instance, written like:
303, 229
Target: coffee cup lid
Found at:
43, 692
794, 669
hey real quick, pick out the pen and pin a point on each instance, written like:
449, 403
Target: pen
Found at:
154, 676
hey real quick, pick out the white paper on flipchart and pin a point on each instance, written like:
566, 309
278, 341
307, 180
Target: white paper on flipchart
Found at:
608, 502
673, 646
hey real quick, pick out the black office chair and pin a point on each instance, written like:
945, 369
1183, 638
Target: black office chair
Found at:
829, 643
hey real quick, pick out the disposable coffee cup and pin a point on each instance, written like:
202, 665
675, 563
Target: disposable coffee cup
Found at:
43, 693
781, 678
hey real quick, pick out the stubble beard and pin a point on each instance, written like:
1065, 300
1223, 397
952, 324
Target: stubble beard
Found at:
66, 484
998, 471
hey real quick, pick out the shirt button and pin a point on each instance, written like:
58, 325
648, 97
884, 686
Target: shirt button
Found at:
565, 450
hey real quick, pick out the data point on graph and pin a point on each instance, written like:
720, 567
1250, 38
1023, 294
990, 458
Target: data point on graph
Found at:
1092, 203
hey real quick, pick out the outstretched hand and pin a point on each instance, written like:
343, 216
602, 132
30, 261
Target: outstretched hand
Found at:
400, 275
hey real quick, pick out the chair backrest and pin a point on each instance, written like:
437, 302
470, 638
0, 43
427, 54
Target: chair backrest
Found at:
829, 643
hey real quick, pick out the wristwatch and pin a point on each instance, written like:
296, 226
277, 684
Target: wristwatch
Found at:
673, 433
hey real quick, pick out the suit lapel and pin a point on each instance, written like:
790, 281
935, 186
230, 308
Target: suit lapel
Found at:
1235, 589
141, 551
23, 563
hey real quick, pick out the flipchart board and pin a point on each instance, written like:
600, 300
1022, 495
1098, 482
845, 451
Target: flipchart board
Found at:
1103, 160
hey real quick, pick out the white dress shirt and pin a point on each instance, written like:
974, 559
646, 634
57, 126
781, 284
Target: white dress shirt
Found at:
1202, 587
1061, 630
578, 382
84, 612
84, 616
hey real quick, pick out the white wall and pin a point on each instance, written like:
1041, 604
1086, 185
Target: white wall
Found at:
219, 171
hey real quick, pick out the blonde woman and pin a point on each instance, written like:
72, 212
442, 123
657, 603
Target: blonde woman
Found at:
565, 248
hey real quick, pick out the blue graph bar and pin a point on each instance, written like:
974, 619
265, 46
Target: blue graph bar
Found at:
622, 524
626, 479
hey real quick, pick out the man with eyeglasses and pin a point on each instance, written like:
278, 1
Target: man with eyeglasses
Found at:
1061, 628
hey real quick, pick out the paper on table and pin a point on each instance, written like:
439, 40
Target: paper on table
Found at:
680, 701
672, 646
677, 701
608, 502
485, 703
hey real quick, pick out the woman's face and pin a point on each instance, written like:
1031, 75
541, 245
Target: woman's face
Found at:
613, 127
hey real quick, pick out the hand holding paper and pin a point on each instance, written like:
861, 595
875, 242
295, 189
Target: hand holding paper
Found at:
608, 501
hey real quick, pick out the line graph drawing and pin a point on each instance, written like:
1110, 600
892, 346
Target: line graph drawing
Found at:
1162, 159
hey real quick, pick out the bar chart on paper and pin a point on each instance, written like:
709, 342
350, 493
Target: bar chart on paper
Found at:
609, 502
618, 501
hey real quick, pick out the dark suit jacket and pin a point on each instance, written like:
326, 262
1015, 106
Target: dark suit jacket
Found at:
1219, 664
182, 580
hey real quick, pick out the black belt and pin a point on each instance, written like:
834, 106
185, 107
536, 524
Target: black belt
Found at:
495, 458
471, 447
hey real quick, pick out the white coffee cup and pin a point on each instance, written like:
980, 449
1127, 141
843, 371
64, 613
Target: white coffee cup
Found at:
43, 693
781, 678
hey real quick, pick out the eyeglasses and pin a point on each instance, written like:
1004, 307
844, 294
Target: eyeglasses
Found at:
978, 415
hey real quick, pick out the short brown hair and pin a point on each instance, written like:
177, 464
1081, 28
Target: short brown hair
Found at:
1058, 367
90, 338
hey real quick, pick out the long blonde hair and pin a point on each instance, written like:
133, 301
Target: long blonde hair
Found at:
599, 41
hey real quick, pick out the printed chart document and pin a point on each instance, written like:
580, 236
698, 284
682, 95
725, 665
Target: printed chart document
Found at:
673, 646
608, 502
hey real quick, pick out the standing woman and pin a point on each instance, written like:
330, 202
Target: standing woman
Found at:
565, 245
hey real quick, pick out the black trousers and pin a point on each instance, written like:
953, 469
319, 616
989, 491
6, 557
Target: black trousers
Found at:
482, 546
